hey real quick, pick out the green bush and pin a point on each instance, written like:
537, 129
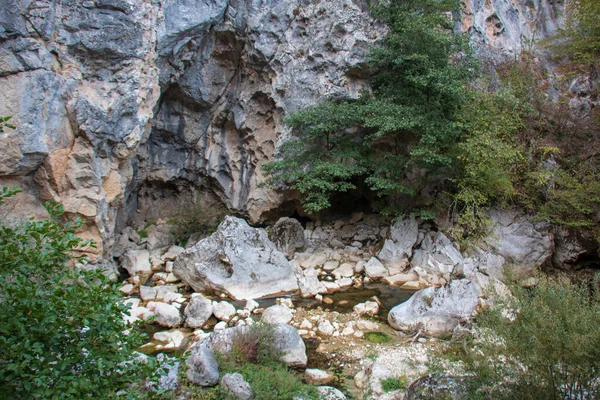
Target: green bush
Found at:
61, 328
394, 383
541, 343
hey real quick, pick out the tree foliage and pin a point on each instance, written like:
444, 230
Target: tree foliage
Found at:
61, 328
409, 121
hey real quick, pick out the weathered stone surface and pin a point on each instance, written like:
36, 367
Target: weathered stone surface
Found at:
438, 256
374, 269
314, 376
277, 314
238, 260
367, 308
436, 311
236, 386
330, 393
203, 368
397, 248
167, 315
223, 310
286, 337
136, 262
520, 242
198, 311
287, 235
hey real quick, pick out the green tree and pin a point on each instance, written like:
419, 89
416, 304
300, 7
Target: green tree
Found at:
61, 329
581, 35
408, 122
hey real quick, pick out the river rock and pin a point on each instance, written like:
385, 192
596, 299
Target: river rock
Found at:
314, 376
203, 368
167, 315
287, 235
277, 314
374, 269
521, 243
236, 386
367, 308
136, 262
223, 310
397, 248
330, 393
286, 340
238, 260
438, 256
436, 311
198, 311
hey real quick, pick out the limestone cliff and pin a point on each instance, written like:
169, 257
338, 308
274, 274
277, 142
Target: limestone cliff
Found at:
122, 107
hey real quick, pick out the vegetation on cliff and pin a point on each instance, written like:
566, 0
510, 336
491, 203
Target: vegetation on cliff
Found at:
432, 136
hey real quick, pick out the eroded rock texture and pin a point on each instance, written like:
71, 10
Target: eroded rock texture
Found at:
123, 107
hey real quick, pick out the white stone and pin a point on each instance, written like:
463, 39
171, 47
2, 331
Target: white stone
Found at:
167, 315
223, 310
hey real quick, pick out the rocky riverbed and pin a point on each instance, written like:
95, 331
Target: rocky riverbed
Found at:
369, 296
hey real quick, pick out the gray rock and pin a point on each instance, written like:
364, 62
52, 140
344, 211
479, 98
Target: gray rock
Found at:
521, 243
314, 376
159, 237
438, 256
136, 262
167, 315
236, 386
170, 380
374, 269
202, 365
436, 311
277, 314
397, 248
238, 260
223, 310
287, 235
198, 311
330, 393
286, 340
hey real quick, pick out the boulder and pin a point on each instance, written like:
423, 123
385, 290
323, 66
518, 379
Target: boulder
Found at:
277, 314
286, 339
223, 310
367, 308
167, 315
238, 260
159, 237
438, 256
202, 365
236, 386
330, 393
397, 248
136, 262
288, 236
198, 311
521, 243
374, 269
314, 376
436, 311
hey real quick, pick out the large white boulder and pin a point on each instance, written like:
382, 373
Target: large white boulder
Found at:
436, 311
237, 260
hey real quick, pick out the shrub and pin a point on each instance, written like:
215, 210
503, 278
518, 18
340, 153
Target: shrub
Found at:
394, 383
547, 348
61, 328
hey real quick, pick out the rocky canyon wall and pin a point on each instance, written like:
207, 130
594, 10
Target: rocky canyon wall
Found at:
123, 108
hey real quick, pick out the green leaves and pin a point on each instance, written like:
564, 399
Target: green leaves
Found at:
61, 329
408, 122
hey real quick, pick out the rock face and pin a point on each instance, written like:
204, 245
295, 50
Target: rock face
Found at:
237, 260
438, 256
520, 242
123, 106
436, 311
288, 236
397, 249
